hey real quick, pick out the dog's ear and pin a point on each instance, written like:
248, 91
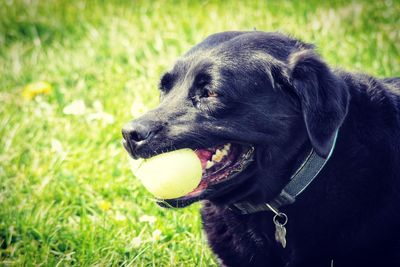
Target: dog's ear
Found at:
323, 96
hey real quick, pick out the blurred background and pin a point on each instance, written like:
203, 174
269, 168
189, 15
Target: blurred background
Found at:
73, 72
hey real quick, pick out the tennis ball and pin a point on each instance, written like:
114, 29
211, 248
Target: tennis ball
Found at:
172, 174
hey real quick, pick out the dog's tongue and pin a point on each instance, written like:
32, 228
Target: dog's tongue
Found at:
204, 155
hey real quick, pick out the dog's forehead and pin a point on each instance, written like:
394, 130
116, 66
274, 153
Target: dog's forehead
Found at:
195, 62
231, 48
239, 57
236, 43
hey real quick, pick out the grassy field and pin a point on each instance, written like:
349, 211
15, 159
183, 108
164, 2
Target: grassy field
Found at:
67, 195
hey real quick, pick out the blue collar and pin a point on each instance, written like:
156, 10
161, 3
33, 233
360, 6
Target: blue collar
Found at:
299, 181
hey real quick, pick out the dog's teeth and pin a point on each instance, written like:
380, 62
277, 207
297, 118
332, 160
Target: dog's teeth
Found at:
217, 157
221, 153
209, 164
227, 146
224, 152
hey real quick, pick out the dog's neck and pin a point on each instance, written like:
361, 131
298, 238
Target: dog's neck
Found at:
309, 169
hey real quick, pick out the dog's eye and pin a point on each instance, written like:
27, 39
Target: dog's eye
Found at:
211, 94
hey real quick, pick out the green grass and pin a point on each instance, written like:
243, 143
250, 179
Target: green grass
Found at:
78, 203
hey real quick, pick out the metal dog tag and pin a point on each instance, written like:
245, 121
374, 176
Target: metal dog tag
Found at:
280, 234
280, 230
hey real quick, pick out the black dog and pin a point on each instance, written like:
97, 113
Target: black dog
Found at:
266, 116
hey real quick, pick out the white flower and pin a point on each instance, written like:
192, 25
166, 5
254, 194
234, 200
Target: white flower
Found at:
100, 114
156, 235
76, 108
147, 218
136, 242
56, 146
120, 217
103, 116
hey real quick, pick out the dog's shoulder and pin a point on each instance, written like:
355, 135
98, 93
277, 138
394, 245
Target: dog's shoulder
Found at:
383, 94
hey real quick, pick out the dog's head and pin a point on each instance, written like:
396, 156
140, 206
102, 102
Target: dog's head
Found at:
250, 104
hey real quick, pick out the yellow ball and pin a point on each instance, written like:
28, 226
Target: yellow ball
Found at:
172, 174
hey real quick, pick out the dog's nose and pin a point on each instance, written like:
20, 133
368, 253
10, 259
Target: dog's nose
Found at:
137, 131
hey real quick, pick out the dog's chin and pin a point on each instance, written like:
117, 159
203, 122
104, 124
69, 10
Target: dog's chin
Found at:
225, 168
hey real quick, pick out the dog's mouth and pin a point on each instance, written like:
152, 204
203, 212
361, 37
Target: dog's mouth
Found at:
220, 165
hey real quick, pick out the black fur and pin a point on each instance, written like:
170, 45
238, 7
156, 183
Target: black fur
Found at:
277, 94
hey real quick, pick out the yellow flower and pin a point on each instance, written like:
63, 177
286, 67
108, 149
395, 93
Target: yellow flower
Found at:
34, 89
105, 205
